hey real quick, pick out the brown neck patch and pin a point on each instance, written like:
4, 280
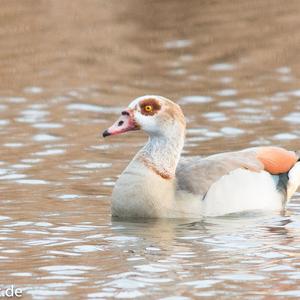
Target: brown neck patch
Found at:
162, 173
153, 103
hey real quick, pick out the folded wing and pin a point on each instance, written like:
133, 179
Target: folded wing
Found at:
196, 174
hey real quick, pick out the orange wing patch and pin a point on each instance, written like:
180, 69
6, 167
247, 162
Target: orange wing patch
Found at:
276, 160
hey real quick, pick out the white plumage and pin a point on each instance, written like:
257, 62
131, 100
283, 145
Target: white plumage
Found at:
158, 183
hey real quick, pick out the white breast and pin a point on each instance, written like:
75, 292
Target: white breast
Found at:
139, 192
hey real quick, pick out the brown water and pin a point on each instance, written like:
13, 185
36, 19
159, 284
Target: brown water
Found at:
66, 70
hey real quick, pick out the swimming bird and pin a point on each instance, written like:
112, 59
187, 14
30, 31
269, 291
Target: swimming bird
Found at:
160, 183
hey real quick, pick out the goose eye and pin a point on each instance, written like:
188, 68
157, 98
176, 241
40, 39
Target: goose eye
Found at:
148, 108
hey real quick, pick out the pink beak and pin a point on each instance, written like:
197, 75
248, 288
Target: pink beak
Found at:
125, 123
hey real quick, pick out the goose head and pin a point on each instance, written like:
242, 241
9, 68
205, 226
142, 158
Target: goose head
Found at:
156, 115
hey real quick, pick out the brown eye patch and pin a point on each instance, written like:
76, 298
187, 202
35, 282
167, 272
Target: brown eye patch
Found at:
149, 107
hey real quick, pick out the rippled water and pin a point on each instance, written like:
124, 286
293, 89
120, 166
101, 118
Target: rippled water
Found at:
67, 69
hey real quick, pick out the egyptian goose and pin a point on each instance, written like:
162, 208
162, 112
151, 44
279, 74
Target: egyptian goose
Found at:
158, 183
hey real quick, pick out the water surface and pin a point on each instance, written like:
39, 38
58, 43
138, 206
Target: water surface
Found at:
67, 69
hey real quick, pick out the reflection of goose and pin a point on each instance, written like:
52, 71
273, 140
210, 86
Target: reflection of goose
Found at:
159, 184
